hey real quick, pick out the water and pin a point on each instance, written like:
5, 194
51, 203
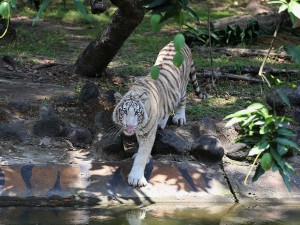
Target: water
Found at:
207, 214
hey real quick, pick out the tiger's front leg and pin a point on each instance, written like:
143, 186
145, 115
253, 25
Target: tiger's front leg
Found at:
136, 176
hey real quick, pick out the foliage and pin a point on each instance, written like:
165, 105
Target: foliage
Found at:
7, 5
5, 12
162, 10
78, 5
231, 35
167, 9
294, 52
267, 136
292, 7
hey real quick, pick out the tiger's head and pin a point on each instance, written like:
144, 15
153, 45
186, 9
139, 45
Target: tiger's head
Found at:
130, 113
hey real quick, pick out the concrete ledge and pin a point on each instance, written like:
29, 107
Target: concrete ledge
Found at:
100, 183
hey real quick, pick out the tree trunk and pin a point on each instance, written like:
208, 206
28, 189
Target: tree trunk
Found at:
10, 34
99, 53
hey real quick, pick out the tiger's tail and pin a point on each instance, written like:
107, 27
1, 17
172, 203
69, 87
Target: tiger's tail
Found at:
194, 81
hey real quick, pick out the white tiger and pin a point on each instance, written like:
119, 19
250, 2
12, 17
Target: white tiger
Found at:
149, 103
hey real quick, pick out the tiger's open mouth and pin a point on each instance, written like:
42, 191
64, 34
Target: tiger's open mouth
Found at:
129, 130
128, 133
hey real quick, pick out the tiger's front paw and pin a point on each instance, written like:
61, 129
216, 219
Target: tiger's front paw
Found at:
179, 119
136, 180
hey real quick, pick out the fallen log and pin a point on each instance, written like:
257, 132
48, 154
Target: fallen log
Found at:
254, 71
243, 52
220, 75
11, 75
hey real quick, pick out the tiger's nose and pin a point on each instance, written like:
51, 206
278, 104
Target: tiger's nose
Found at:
129, 128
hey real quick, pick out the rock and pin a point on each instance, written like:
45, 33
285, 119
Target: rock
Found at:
168, 142
130, 145
297, 115
276, 103
46, 142
294, 96
110, 147
208, 148
46, 110
14, 131
98, 6
51, 127
80, 136
22, 106
103, 120
89, 92
206, 125
65, 99
110, 97
235, 151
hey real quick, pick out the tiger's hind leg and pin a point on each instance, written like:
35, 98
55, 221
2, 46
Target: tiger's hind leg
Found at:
179, 117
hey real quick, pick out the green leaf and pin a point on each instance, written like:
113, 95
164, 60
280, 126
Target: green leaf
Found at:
281, 149
259, 148
43, 6
275, 167
155, 22
286, 179
255, 106
265, 112
243, 112
273, 80
294, 52
156, 3
259, 123
178, 59
179, 42
13, 4
154, 71
249, 139
286, 132
192, 13
264, 129
5, 10
282, 8
235, 120
277, 158
248, 120
287, 142
180, 18
284, 98
258, 172
290, 168
277, 2
294, 7
82, 9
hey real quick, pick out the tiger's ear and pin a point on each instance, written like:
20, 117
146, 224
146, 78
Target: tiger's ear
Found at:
143, 97
118, 97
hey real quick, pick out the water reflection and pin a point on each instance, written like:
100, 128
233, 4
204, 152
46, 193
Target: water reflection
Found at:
207, 214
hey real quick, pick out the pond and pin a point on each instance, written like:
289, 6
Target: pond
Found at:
206, 214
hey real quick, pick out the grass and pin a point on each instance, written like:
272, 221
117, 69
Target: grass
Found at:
60, 40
